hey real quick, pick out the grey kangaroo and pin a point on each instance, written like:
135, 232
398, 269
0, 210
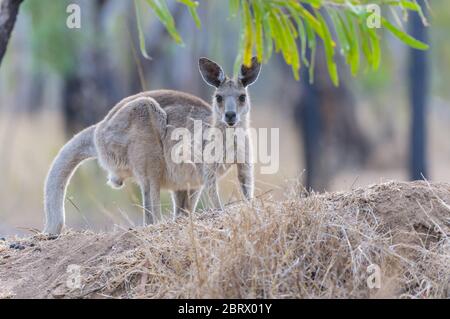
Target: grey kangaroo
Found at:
134, 141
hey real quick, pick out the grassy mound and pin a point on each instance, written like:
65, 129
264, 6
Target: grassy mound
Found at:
306, 246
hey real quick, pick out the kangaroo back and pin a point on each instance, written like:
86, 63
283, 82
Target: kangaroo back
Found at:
78, 149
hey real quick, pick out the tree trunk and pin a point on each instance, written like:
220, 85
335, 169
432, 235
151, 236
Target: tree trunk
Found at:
90, 90
332, 136
8, 13
418, 91
309, 122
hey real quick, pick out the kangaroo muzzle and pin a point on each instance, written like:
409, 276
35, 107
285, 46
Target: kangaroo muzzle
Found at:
230, 118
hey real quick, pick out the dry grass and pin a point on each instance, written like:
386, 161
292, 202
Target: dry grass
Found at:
315, 246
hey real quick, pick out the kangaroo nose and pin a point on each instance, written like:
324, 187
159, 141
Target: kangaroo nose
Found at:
230, 117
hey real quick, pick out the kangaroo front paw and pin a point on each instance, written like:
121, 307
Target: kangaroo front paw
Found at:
115, 182
219, 208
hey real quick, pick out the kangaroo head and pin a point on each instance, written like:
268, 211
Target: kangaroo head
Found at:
231, 102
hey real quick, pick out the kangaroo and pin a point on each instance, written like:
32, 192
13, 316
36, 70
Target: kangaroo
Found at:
134, 141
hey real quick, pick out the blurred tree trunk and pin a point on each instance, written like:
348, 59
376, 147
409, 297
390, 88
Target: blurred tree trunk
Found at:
418, 93
332, 137
94, 87
309, 123
90, 90
8, 14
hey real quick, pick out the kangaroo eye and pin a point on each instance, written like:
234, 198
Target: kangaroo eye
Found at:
242, 98
219, 98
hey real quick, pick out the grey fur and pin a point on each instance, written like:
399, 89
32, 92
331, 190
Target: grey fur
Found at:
134, 141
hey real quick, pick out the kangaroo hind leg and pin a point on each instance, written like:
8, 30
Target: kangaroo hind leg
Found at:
185, 201
151, 201
115, 181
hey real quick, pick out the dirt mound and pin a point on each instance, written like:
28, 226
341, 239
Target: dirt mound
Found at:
306, 246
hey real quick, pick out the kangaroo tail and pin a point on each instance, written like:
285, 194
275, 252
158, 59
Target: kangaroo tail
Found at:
78, 149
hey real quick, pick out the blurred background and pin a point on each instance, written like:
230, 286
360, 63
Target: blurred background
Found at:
54, 81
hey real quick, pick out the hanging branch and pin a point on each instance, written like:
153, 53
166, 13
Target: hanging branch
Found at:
290, 26
8, 13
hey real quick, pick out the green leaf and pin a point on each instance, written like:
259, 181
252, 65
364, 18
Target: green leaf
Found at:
291, 45
257, 9
267, 39
406, 38
189, 3
308, 17
406, 4
276, 33
269, 23
365, 42
162, 12
340, 32
141, 33
312, 64
248, 33
194, 14
282, 34
351, 34
329, 50
312, 44
234, 7
301, 33
192, 8
376, 51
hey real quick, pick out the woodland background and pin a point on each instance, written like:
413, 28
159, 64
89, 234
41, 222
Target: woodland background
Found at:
54, 81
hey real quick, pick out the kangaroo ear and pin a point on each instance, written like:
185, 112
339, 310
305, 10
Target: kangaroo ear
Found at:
211, 72
249, 75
